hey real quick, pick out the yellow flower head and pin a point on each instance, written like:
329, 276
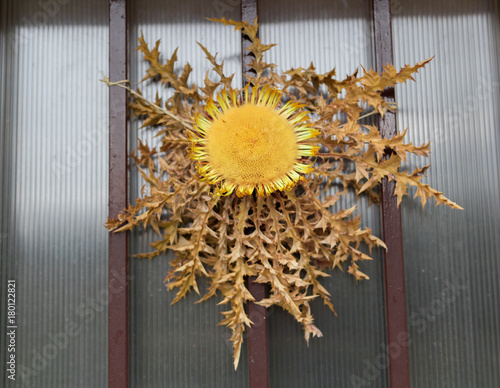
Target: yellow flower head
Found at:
252, 144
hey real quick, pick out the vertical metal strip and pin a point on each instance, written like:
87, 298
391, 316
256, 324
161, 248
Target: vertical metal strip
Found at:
249, 13
395, 299
118, 291
258, 368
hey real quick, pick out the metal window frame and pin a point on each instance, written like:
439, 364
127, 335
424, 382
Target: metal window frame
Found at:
118, 334
258, 354
392, 231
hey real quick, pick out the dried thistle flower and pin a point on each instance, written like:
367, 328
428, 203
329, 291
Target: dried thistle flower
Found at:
240, 175
251, 145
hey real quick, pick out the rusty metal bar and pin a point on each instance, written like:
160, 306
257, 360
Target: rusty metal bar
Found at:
249, 13
258, 359
395, 299
117, 256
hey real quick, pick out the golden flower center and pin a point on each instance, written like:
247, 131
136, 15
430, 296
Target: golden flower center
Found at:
251, 145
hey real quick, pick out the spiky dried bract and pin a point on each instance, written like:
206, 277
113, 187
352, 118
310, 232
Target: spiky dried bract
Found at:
284, 235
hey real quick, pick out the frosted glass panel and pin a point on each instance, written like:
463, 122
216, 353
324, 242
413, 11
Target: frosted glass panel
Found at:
178, 345
451, 257
54, 189
331, 34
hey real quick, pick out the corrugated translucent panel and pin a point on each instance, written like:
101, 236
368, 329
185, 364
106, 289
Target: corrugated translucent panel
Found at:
452, 257
177, 345
54, 189
330, 34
